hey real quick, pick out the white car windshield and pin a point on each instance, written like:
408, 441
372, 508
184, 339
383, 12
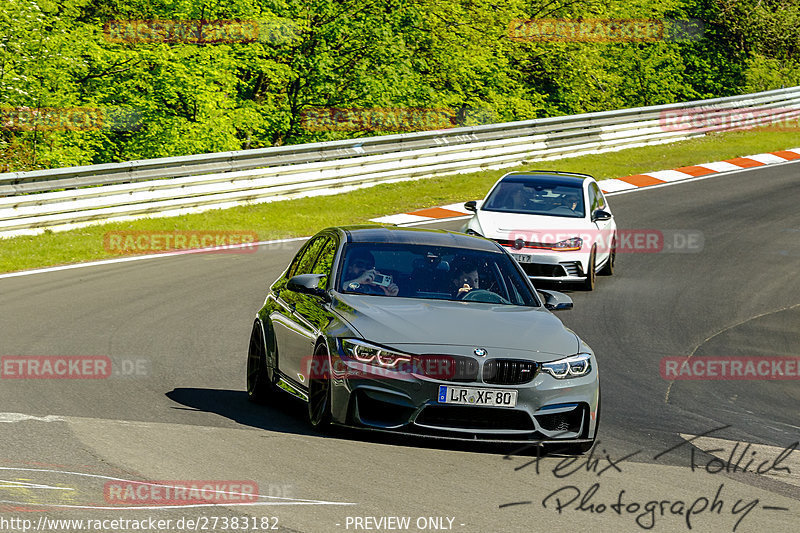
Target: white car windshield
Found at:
546, 197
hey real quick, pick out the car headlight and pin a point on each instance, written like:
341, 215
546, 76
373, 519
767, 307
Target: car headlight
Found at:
367, 353
568, 245
570, 367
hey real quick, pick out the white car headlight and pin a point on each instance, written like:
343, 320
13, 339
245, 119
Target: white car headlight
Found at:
568, 245
570, 367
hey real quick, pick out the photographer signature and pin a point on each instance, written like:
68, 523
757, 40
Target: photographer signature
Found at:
646, 513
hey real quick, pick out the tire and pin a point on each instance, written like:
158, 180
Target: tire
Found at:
591, 274
608, 268
259, 386
319, 393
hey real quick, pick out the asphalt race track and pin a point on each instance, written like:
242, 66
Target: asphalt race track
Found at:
174, 408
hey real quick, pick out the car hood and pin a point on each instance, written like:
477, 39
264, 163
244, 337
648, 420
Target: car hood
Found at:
532, 228
411, 324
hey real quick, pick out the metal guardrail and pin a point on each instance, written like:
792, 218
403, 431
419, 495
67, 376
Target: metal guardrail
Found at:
70, 197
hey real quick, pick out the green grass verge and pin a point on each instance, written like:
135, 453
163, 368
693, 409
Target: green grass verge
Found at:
306, 216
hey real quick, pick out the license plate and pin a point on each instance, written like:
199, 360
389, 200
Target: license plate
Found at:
482, 397
523, 258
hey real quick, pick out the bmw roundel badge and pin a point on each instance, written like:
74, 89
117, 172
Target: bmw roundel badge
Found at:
480, 352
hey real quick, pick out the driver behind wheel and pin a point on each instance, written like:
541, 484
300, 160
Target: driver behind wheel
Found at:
465, 279
361, 276
569, 199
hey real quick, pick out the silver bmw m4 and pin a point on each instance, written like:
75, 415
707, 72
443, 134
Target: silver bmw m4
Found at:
423, 332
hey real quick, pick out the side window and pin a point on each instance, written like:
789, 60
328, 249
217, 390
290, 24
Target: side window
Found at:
601, 201
293, 265
592, 199
324, 263
302, 264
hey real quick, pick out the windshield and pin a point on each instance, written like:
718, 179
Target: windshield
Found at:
432, 272
536, 198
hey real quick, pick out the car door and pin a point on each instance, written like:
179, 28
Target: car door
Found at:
313, 311
294, 334
605, 228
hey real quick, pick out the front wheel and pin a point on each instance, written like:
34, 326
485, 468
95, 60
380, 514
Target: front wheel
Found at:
319, 391
259, 386
591, 275
608, 268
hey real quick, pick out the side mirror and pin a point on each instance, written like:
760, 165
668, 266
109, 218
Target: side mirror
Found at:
308, 284
472, 205
556, 301
601, 215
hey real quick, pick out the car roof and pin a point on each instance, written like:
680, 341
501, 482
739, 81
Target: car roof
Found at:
548, 178
433, 237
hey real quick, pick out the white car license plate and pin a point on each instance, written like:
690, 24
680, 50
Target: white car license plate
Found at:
483, 397
523, 258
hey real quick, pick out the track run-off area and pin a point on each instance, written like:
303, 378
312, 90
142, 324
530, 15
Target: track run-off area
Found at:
673, 455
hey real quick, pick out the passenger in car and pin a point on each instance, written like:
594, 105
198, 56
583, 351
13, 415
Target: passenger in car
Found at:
512, 196
361, 275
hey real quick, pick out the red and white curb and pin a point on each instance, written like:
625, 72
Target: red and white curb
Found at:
423, 215
663, 176
619, 184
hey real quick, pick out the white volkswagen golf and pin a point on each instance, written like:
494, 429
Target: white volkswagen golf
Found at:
557, 225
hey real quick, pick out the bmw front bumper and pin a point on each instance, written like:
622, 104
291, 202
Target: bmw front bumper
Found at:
547, 409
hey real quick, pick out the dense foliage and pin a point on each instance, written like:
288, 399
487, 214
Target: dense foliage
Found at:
167, 96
